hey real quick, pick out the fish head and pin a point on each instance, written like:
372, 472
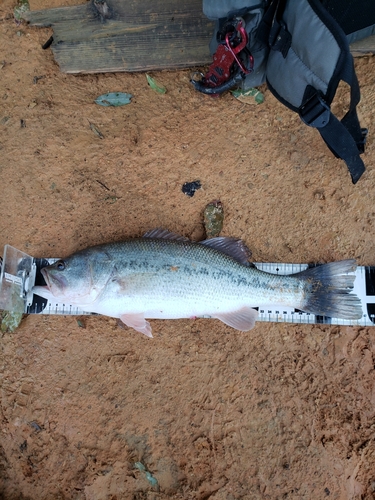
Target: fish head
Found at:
73, 279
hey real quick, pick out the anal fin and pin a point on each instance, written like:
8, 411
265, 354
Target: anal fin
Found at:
138, 322
243, 319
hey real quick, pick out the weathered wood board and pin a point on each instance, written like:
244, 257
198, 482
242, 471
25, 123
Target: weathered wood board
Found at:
134, 35
363, 47
131, 35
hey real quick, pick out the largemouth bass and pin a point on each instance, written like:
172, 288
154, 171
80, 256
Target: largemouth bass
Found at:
165, 276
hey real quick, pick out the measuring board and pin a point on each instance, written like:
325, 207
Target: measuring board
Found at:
20, 272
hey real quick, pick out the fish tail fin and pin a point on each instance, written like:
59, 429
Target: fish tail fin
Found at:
327, 290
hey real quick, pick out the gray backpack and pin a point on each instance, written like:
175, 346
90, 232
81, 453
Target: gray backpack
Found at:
302, 52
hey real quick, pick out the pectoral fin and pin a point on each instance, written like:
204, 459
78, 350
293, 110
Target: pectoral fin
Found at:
243, 319
138, 322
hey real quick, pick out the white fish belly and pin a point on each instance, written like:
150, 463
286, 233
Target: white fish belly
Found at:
173, 295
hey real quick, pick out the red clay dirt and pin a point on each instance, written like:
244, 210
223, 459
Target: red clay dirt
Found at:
281, 412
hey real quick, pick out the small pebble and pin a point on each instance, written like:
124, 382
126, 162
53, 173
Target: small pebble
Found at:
189, 188
213, 218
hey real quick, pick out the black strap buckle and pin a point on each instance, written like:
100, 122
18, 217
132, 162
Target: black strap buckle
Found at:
280, 39
315, 112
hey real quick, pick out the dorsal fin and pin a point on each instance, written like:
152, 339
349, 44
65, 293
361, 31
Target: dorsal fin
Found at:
234, 247
164, 234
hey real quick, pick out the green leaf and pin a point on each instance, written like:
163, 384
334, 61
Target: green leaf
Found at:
114, 99
154, 85
249, 96
21, 8
10, 321
150, 478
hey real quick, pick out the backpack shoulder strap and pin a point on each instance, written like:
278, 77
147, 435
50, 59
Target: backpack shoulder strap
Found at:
309, 56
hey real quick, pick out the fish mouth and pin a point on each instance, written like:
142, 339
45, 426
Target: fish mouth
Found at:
55, 284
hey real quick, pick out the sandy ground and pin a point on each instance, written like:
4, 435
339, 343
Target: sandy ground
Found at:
281, 412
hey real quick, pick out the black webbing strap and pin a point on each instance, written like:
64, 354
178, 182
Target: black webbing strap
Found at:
316, 113
350, 120
344, 138
269, 25
341, 143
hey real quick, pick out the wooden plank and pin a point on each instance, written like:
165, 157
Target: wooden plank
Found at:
137, 36
116, 54
52, 17
363, 47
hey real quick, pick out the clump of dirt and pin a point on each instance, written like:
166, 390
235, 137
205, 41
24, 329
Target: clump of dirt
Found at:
283, 411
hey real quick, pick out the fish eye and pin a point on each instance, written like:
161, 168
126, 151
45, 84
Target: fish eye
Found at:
60, 265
